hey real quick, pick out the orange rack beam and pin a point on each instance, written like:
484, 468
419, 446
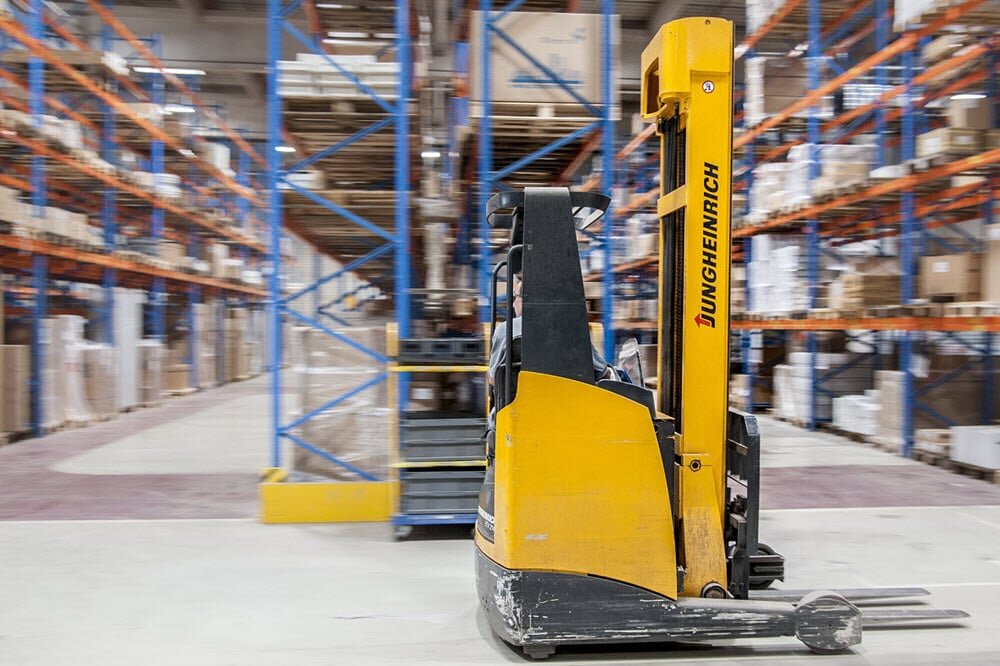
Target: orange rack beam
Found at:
970, 323
74, 255
40, 148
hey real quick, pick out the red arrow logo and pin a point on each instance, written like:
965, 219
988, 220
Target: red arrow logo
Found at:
700, 320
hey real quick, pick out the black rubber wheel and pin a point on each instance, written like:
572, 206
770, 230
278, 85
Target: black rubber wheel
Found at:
763, 585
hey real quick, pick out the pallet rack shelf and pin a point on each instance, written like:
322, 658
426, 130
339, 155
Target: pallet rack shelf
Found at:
339, 174
530, 149
49, 69
908, 207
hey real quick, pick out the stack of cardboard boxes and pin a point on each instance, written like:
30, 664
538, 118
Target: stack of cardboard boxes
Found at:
15, 373
969, 131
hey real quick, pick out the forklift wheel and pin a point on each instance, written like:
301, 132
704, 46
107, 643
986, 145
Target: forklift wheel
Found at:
763, 585
402, 532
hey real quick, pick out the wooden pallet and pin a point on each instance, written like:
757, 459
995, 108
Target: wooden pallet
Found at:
965, 469
841, 189
971, 309
976, 472
929, 162
846, 434
798, 423
932, 458
12, 437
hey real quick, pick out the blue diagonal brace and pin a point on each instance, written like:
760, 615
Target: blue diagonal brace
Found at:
301, 443
333, 334
290, 8
541, 152
593, 110
340, 145
346, 268
335, 401
947, 377
340, 210
934, 413
335, 318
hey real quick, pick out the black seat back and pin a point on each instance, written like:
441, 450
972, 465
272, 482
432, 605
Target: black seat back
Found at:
638, 394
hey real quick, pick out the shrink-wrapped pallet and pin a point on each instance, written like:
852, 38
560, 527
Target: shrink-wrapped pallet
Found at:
71, 376
128, 333
356, 429
152, 355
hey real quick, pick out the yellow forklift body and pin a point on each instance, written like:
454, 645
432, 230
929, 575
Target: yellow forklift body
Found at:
580, 486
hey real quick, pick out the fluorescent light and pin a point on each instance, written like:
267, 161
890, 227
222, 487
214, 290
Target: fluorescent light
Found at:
285, 149
186, 152
329, 5
347, 35
179, 71
430, 154
179, 108
968, 96
354, 42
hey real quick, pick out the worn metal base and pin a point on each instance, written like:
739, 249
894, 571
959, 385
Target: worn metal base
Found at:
540, 610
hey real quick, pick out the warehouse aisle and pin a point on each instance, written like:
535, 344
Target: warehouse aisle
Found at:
193, 457
134, 542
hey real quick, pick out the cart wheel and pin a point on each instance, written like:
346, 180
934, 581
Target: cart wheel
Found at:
402, 532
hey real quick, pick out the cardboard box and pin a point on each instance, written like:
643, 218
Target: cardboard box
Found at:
177, 377
171, 251
970, 114
949, 140
15, 375
976, 445
100, 372
942, 47
991, 267
568, 44
955, 275
992, 139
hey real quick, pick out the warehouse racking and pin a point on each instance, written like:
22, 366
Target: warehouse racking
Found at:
844, 43
324, 116
536, 141
49, 71
908, 205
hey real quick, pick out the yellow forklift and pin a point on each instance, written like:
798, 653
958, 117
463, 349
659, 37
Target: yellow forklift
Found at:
610, 513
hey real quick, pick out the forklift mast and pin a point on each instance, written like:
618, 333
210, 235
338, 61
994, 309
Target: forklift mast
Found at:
687, 92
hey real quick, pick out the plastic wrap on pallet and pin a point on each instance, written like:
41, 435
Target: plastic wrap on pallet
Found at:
312, 75
100, 372
77, 407
53, 397
355, 430
793, 383
857, 413
128, 332
907, 12
976, 445
152, 354
760, 11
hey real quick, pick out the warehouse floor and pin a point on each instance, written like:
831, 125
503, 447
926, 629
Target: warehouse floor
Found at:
134, 541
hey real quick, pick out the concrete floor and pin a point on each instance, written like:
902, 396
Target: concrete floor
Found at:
134, 542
